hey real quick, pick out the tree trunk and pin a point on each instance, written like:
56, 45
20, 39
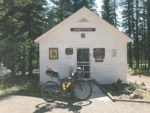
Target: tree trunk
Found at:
141, 55
30, 61
137, 53
148, 31
129, 33
130, 55
145, 61
144, 35
23, 61
149, 63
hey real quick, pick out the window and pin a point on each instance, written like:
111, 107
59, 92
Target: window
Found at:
69, 51
99, 54
114, 52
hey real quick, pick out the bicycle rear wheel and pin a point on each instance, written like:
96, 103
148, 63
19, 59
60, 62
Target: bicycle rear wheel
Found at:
82, 90
50, 91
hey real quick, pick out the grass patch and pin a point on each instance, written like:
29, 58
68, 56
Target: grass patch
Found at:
146, 95
9, 90
21, 85
135, 85
138, 72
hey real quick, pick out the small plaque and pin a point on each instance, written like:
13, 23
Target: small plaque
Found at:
83, 20
69, 51
114, 52
82, 35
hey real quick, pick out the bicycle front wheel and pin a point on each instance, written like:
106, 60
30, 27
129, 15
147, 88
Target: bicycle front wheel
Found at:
50, 91
82, 90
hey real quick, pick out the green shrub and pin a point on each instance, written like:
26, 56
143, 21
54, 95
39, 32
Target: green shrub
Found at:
1, 84
135, 85
138, 72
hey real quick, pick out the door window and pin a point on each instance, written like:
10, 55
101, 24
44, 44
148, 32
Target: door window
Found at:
83, 55
83, 62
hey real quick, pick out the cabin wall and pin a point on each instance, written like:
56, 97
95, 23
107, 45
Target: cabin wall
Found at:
112, 69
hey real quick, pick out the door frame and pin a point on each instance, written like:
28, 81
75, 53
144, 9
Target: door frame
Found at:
84, 62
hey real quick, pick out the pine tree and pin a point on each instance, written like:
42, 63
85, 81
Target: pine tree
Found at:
106, 11
21, 22
142, 33
128, 25
148, 31
10, 39
109, 12
33, 17
136, 41
113, 5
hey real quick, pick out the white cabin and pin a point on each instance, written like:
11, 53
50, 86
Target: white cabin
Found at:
87, 41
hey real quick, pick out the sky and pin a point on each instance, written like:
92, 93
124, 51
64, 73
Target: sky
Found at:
98, 2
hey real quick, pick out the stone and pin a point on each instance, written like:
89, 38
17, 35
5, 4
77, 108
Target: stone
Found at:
136, 94
128, 90
143, 84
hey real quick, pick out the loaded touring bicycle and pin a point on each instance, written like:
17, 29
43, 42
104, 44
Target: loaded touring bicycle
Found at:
72, 86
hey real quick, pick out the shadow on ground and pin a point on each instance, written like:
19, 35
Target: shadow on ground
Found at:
71, 106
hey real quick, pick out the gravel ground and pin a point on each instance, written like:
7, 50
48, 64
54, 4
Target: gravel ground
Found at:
98, 103
139, 79
24, 104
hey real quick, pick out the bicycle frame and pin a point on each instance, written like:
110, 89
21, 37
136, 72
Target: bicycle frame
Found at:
66, 84
67, 87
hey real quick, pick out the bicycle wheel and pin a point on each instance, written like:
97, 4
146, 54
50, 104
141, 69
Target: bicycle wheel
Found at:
82, 90
50, 91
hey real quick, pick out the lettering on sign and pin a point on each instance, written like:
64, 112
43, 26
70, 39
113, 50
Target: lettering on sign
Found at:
83, 29
99, 54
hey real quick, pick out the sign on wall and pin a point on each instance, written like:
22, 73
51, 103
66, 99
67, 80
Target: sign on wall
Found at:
114, 52
83, 29
99, 54
69, 51
53, 53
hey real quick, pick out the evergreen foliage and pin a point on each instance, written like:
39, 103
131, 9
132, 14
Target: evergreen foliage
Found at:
109, 12
135, 15
21, 22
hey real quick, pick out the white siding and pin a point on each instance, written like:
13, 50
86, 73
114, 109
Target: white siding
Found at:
108, 71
